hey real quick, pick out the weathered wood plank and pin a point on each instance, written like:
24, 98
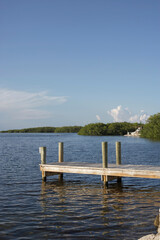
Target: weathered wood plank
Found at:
139, 171
118, 157
104, 160
118, 153
60, 157
42, 151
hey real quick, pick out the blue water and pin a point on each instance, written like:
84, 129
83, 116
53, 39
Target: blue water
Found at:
80, 207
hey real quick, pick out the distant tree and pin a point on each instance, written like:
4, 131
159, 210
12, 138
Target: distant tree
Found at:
152, 128
121, 128
94, 129
113, 129
68, 129
32, 130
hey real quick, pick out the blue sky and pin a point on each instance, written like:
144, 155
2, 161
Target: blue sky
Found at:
74, 62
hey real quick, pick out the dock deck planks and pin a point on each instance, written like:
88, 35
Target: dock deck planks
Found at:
140, 171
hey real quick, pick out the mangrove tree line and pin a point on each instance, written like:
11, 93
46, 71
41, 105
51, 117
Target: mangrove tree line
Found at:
151, 129
109, 129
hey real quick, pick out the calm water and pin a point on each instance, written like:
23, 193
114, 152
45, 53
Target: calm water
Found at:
80, 207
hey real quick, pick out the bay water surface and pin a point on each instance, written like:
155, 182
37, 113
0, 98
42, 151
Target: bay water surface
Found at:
79, 207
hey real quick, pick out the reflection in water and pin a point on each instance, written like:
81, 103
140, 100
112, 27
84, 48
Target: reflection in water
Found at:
76, 208
79, 207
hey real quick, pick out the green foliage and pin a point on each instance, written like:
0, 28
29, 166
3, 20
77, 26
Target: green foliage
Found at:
113, 129
121, 128
68, 129
32, 130
152, 128
94, 129
73, 129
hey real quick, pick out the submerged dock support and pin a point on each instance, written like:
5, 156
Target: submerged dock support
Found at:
118, 157
42, 151
60, 157
159, 222
105, 161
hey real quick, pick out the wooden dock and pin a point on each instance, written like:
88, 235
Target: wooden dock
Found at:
107, 171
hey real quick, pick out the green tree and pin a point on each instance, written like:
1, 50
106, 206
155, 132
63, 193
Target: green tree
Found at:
113, 129
94, 129
152, 128
68, 129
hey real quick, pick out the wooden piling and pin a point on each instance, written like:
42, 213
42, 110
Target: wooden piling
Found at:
118, 153
158, 230
60, 157
118, 157
42, 151
157, 222
104, 160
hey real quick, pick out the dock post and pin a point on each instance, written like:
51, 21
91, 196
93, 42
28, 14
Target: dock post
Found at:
104, 160
42, 151
60, 158
118, 157
159, 222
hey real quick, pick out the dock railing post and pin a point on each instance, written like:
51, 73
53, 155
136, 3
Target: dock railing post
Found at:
60, 158
118, 157
42, 151
104, 160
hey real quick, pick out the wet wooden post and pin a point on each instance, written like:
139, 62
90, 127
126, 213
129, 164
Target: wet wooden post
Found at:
42, 151
118, 157
105, 160
159, 222
60, 158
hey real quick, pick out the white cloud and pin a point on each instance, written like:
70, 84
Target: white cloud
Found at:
25, 105
144, 117
98, 117
134, 118
121, 114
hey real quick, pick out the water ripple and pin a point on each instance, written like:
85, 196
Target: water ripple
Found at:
80, 207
